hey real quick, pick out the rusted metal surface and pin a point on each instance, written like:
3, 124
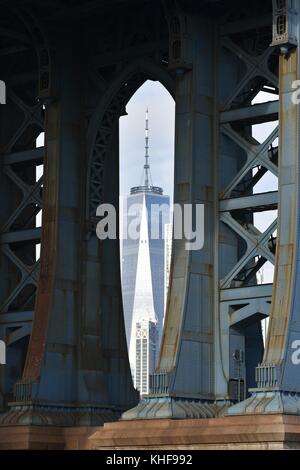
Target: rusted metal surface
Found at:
286, 253
77, 353
77, 363
44, 299
278, 381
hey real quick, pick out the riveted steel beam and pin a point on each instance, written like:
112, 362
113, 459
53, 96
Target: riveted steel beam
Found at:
258, 310
16, 318
248, 24
237, 248
21, 196
78, 307
277, 376
215, 306
25, 156
242, 293
21, 236
257, 202
256, 114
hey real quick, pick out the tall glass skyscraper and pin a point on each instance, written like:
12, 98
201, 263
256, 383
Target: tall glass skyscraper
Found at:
143, 273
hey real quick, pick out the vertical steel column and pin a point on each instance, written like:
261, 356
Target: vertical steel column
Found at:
77, 369
278, 378
212, 338
21, 121
102, 321
184, 383
247, 67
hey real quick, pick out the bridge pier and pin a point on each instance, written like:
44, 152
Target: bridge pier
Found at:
278, 381
62, 382
61, 316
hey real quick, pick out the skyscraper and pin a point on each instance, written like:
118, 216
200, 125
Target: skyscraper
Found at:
143, 273
168, 256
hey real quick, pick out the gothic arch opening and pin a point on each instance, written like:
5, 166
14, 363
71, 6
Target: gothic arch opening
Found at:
146, 180
103, 180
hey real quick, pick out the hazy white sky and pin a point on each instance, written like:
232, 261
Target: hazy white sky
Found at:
132, 138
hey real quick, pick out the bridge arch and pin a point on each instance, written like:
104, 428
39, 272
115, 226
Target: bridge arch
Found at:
107, 113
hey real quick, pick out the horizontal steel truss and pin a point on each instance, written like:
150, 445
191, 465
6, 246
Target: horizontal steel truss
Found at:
105, 106
19, 234
126, 64
239, 300
13, 234
234, 289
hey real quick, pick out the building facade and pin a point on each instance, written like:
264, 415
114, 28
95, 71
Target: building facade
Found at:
168, 256
144, 273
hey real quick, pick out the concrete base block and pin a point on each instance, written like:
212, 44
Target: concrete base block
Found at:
251, 432
46, 438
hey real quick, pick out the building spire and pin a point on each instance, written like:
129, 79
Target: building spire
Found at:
146, 183
147, 166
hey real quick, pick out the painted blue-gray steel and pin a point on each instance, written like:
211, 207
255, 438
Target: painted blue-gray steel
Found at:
277, 376
219, 341
214, 57
76, 367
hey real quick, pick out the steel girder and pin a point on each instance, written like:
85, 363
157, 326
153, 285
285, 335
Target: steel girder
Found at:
215, 306
277, 376
22, 120
77, 369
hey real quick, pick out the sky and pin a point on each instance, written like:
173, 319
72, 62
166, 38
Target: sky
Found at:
268, 183
156, 98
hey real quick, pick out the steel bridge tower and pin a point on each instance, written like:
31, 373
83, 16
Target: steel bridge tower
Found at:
69, 71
